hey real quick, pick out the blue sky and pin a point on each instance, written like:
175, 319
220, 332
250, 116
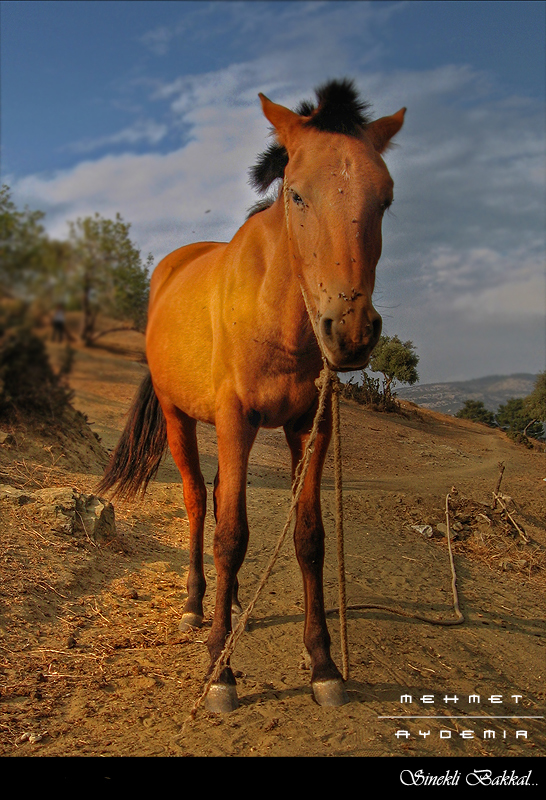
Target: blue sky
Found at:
150, 109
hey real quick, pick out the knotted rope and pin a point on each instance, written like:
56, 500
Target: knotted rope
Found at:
327, 380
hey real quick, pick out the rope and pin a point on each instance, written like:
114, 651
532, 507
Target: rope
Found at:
336, 390
327, 378
336, 387
459, 618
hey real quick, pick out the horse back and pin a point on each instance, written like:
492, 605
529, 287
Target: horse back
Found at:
179, 333
172, 265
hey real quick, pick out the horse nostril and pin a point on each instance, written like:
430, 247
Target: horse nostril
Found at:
377, 325
327, 324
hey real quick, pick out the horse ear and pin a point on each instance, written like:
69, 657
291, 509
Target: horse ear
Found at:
283, 120
382, 130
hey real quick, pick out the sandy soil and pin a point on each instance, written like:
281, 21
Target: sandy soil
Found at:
91, 659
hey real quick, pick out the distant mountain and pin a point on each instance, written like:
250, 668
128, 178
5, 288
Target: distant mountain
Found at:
448, 398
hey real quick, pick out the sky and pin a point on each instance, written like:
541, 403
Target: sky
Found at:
151, 110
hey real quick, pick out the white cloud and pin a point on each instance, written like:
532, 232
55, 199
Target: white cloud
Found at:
520, 296
483, 282
458, 182
142, 131
164, 196
158, 39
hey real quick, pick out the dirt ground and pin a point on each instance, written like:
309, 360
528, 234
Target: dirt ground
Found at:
91, 659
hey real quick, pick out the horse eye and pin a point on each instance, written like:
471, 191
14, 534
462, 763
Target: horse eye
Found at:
297, 199
387, 204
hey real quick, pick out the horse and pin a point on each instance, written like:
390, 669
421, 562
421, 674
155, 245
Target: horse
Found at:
237, 335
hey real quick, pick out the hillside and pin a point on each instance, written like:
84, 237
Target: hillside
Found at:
92, 661
448, 398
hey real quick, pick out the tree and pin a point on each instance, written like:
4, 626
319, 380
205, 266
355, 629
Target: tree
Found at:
397, 361
514, 419
476, 411
535, 404
108, 274
22, 244
33, 268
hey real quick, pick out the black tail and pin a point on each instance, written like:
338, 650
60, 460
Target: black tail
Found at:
140, 449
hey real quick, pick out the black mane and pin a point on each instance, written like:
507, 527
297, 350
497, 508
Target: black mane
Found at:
338, 109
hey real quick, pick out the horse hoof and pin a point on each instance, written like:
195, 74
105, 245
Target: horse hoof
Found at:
330, 693
189, 621
221, 698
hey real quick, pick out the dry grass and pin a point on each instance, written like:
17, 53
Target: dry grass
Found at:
499, 537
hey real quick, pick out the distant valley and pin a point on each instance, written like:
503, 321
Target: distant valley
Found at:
448, 398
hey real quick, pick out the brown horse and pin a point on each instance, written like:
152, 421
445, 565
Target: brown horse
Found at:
230, 342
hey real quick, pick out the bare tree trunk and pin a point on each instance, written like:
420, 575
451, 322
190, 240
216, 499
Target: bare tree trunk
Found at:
532, 422
89, 317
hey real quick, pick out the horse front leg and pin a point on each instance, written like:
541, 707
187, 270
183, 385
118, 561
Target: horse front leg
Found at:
326, 680
235, 439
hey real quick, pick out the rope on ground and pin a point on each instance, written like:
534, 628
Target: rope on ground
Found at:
459, 617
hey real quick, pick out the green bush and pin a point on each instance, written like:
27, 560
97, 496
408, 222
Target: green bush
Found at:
369, 393
514, 418
476, 411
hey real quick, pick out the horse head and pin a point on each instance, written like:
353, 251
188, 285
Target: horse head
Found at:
336, 189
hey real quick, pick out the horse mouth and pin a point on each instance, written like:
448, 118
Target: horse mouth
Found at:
349, 362
352, 368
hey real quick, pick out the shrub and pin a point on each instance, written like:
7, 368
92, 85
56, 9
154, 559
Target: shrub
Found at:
476, 411
514, 418
369, 393
29, 387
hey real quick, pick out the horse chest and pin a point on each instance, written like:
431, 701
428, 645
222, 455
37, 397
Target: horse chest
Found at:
275, 398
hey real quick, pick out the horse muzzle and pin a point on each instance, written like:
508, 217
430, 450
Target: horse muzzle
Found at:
349, 336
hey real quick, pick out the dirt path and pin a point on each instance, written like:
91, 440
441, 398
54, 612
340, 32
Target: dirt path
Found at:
92, 662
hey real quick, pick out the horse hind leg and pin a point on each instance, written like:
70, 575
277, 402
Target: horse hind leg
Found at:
182, 438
